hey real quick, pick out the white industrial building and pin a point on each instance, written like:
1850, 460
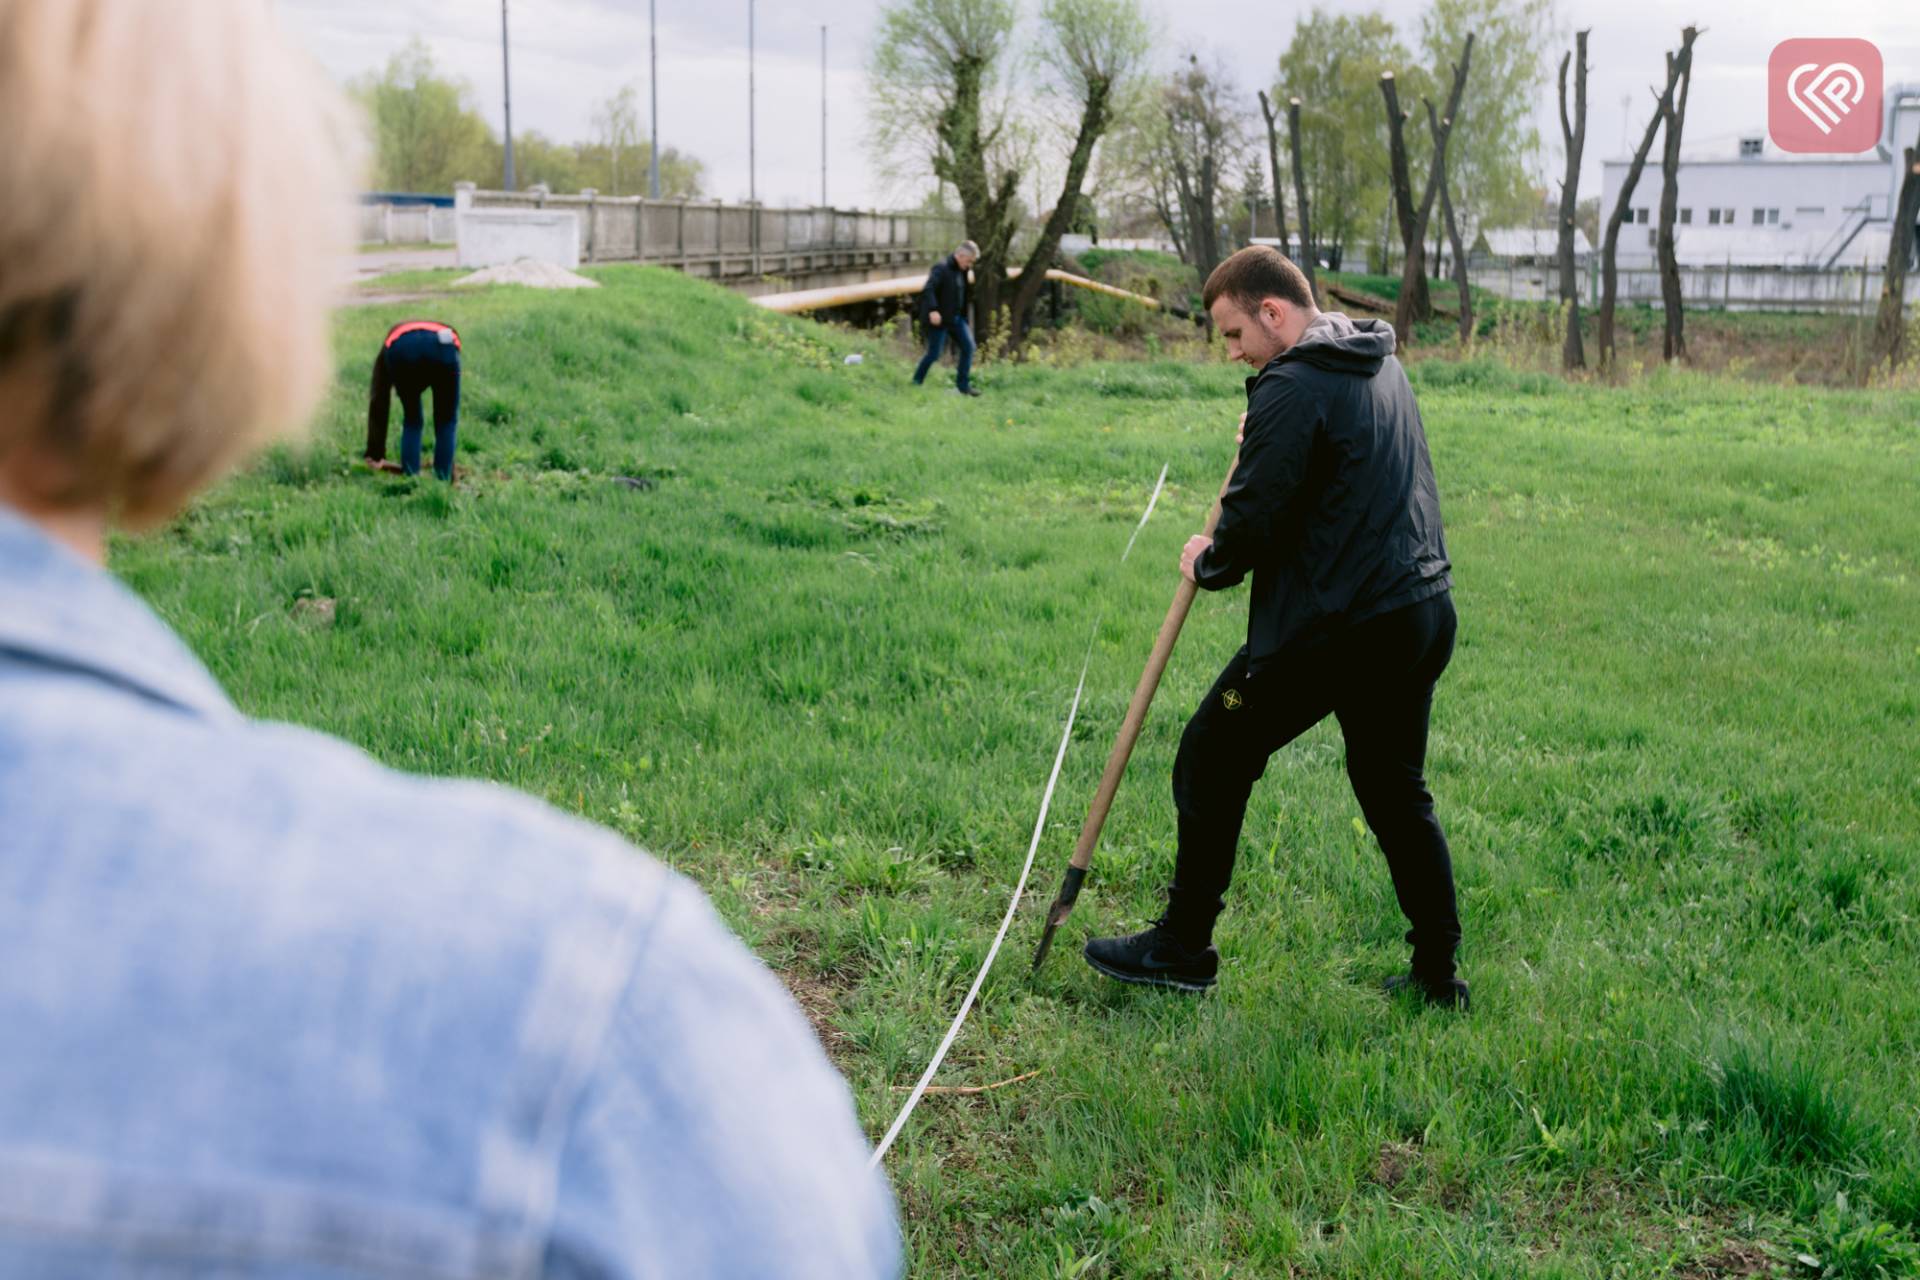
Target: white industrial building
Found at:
1742, 202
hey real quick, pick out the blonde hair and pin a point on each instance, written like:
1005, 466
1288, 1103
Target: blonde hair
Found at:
174, 190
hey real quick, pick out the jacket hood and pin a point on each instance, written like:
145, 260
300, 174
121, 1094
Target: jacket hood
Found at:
1334, 342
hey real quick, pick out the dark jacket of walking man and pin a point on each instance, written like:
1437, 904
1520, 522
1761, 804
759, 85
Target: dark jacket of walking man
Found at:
944, 304
1333, 511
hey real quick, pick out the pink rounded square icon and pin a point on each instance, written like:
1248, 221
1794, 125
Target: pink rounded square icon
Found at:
1824, 95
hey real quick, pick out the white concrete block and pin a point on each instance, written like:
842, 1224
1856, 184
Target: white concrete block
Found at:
495, 237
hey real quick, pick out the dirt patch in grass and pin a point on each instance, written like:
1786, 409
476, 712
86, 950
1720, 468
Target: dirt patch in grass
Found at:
1735, 1258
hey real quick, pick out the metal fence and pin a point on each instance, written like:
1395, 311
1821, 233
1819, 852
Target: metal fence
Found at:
406, 224
713, 238
1844, 290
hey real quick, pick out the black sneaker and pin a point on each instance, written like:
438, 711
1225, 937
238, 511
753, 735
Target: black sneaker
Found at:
1154, 958
967, 391
1451, 994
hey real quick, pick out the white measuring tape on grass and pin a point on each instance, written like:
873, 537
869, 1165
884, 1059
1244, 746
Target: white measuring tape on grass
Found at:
1033, 846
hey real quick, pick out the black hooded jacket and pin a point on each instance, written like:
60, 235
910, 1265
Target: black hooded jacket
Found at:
945, 291
1332, 507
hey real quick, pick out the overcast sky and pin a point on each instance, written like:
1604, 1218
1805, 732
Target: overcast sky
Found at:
568, 55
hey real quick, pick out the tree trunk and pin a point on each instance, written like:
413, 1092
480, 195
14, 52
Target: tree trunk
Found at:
1609, 274
1411, 240
1453, 233
1307, 251
1890, 328
1413, 272
1572, 353
1094, 119
1273, 160
1673, 345
962, 162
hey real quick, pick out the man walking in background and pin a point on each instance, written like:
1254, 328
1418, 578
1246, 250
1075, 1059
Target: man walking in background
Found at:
1332, 508
944, 304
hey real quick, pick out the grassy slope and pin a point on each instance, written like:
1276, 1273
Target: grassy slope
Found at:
822, 664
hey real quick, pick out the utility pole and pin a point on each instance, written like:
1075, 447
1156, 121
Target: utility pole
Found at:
823, 113
653, 87
506, 93
753, 189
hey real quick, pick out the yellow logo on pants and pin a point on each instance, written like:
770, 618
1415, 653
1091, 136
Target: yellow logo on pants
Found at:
1232, 700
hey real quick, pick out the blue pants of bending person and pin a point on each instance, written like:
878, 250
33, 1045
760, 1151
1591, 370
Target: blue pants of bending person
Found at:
937, 342
418, 362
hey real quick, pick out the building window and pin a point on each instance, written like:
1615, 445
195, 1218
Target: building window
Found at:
1749, 147
1773, 217
1686, 216
1759, 217
1653, 238
1811, 211
1640, 216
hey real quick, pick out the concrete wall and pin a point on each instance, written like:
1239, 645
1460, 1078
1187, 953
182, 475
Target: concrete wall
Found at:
493, 237
406, 224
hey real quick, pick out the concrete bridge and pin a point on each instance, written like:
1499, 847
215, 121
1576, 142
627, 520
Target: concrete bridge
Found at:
751, 248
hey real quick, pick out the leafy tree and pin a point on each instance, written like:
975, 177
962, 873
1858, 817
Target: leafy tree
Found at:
1492, 159
616, 127
426, 133
1091, 50
1333, 65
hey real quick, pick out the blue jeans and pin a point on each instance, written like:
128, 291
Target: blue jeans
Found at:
937, 342
418, 363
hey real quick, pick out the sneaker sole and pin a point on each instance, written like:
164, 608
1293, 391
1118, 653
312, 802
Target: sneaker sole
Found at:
1141, 980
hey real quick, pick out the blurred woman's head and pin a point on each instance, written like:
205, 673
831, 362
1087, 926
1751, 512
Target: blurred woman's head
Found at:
174, 192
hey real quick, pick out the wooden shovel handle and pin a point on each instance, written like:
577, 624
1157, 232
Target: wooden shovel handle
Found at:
1142, 699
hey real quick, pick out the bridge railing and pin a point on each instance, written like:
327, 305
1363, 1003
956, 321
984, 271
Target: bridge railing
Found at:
714, 238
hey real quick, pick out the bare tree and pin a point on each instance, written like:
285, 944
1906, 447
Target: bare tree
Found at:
1093, 47
616, 126
1191, 139
1890, 327
1308, 253
1273, 162
1609, 274
1453, 227
1413, 245
1674, 343
1574, 133
1413, 272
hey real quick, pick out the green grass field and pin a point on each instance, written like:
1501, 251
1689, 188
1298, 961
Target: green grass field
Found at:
821, 666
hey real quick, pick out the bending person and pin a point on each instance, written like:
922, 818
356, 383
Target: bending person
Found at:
417, 356
1333, 511
269, 1009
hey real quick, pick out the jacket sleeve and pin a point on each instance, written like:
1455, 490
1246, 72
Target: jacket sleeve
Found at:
930, 294
1281, 429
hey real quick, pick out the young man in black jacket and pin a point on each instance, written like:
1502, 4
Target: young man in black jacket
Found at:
943, 303
1333, 510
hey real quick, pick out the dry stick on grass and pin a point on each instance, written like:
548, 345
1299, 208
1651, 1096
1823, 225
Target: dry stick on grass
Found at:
961, 1089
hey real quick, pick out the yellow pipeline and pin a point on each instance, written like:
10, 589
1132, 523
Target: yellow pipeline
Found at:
846, 295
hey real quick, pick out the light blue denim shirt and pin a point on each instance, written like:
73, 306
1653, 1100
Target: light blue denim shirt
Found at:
270, 1009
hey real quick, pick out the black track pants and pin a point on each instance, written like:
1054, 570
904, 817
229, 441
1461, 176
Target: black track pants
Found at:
1378, 679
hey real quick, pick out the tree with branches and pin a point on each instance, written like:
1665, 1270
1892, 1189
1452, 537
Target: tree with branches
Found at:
1413, 303
1573, 133
1272, 115
1609, 272
1452, 225
937, 81
1092, 49
1308, 251
1673, 344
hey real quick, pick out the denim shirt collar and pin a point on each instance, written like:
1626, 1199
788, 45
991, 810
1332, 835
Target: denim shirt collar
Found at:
59, 610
